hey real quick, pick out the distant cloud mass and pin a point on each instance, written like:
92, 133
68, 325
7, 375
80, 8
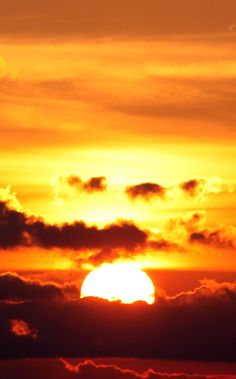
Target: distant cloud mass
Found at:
181, 327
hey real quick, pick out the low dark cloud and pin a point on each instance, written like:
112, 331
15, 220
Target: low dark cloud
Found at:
146, 191
196, 325
16, 288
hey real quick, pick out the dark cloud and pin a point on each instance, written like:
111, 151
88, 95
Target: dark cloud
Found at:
193, 187
164, 245
88, 18
12, 225
215, 238
196, 325
110, 255
17, 229
79, 236
95, 184
119, 240
16, 288
146, 191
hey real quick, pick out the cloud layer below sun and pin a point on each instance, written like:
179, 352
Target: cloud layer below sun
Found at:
178, 327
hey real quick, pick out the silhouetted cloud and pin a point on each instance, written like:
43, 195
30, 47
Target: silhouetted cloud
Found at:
12, 225
96, 184
14, 287
217, 238
193, 325
193, 187
73, 184
79, 236
18, 229
146, 191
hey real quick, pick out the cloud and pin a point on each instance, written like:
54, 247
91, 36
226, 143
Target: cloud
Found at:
17, 229
63, 369
221, 238
16, 288
193, 325
203, 187
72, 185
89, 369
146, 191
8, 197
193, 187
12, 226
95, 184
79, 236
22, 329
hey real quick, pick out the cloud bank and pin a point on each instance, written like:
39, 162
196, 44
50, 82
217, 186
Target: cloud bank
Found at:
194, 325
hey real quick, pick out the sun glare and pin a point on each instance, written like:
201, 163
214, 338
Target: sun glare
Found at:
123, 282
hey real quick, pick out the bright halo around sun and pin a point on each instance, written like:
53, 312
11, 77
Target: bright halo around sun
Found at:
124, 282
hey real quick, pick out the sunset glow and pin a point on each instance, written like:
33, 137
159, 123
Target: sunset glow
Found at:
117, 189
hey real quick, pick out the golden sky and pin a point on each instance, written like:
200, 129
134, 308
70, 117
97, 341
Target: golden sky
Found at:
134, 93
117, 188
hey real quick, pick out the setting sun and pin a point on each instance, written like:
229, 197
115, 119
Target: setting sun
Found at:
124, 282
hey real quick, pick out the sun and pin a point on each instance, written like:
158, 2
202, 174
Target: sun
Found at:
124, 282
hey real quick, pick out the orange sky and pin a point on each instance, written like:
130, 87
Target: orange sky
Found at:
134, 93
118, 188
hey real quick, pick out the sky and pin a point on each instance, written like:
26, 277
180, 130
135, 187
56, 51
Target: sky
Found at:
117, 138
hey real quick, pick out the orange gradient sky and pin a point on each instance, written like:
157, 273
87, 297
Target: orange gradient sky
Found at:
92, 94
